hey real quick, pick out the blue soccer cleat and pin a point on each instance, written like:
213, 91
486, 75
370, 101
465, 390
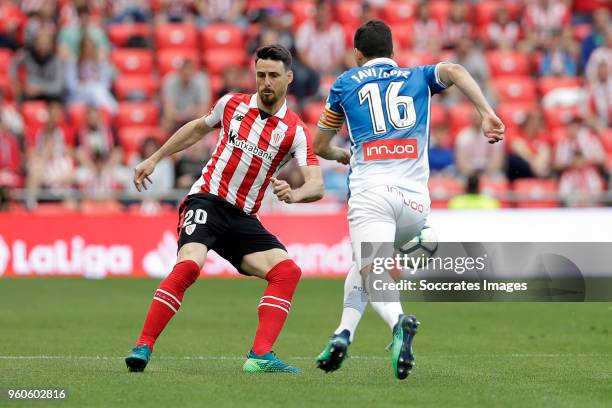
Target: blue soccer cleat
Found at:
267, 363
403, 333
334, 353
138, 358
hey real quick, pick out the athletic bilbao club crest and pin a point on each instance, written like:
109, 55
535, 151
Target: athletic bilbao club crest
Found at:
277, 137
190, 228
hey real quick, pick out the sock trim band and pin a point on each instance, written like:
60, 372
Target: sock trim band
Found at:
273, 305
166, 303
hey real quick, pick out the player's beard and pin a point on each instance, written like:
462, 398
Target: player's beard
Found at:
268, 99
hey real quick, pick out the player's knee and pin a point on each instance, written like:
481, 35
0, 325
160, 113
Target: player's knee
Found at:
294, 272
286, 270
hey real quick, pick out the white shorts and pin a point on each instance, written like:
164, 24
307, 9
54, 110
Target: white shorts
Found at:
386, 214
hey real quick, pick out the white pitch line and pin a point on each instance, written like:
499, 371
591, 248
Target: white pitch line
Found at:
508, 355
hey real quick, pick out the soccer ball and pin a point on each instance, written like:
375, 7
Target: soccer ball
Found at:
424, 245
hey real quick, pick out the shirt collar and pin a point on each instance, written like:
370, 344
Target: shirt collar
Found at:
281, 112
378, 61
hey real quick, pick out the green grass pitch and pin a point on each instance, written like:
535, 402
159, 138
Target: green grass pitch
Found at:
72, 333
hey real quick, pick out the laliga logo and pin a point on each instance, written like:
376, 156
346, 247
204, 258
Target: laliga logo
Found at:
74, 257
390, 149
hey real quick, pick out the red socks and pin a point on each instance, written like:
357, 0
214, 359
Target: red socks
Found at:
273, 307
167, 300
275, 304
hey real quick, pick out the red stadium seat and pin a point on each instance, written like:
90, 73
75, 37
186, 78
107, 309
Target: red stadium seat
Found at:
534, 193
135, 87
312, 112
119, 34
516, 89
514, 113
438, 114
439, 10
504, 63
222, 36
131, 137
217, 61
253, 5
348, 13
78, 114
550, 83
414, 58
560, 116
515, 8
460, 117
6, 56
485, 12
498, 188
394, 12
402, 35
34, 113
137, 114
133, 61
302, 10
170, 60
216, 84
442, 189
176, 36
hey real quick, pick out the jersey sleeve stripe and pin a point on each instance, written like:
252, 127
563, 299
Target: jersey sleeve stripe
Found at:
437, 74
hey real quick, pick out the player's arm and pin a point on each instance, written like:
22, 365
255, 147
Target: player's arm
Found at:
456, 74
329, 124
311, 190
323, 147
187, 135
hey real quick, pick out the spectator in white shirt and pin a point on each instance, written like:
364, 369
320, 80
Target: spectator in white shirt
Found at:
321, 43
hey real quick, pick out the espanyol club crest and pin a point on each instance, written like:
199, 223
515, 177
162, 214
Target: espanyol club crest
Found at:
277, 136
190, 228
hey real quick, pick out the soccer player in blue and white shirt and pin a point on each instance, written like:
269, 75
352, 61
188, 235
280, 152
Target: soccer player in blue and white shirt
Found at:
386, 110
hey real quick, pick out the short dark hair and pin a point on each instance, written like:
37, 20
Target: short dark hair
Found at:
275, 52
374, 39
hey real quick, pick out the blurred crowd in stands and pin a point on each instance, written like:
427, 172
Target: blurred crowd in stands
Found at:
89, 88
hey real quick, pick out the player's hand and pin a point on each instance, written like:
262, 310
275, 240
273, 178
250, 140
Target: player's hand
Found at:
342, 156
142, 173
283, 190
493, 128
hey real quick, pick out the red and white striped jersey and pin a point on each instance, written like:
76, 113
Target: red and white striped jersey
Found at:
250, 150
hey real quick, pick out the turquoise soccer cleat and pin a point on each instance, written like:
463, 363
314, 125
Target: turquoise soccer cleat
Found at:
138, 358
334, 353
267, 363
403, 333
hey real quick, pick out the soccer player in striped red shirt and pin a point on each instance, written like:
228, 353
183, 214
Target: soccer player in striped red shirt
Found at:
258, 133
